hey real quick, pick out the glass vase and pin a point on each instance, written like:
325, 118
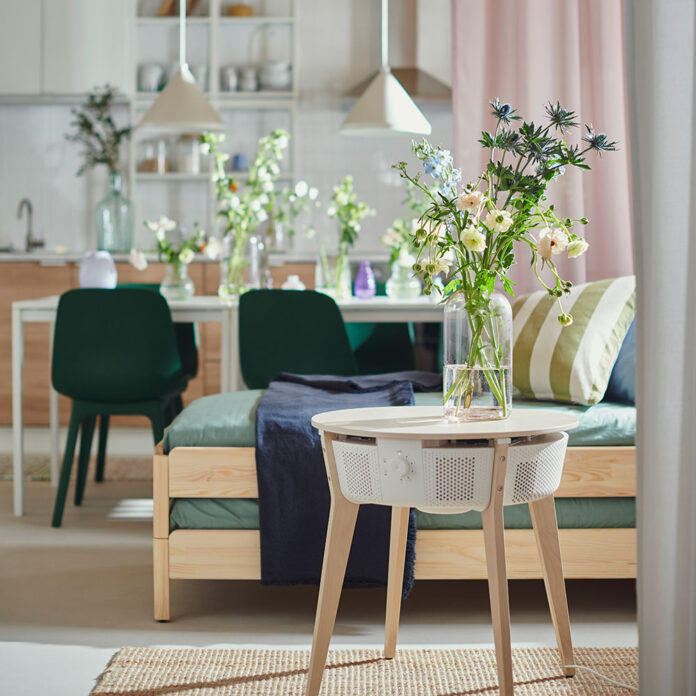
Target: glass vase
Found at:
240, 266
401, 284
332, 276
115, 216
477, 359
176, 284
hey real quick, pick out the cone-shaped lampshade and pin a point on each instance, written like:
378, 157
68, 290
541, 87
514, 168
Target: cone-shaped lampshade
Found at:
181, 108
385, 107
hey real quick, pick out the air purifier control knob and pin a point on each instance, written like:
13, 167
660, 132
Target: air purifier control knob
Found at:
399, 466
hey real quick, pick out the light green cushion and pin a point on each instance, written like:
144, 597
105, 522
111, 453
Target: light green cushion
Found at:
227, 420
573, 513
219, 420
571, 364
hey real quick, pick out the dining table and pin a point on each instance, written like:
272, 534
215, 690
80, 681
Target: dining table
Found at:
197, 309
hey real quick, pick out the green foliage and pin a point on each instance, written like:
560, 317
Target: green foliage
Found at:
469, 235
348, 212
96, 131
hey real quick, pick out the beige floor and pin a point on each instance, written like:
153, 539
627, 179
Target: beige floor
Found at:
70, 596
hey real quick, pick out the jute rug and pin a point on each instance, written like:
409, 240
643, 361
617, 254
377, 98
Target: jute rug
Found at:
37, 468
414, 672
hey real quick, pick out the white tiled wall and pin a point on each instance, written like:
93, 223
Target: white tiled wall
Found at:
338, 47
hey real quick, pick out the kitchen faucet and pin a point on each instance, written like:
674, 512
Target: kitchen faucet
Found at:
31, 242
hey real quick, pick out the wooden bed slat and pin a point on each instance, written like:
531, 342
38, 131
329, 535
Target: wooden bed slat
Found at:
595, 472
230, 472
440, 554
212, 472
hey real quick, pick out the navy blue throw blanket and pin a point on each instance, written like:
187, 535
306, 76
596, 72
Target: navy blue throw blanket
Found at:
294, 497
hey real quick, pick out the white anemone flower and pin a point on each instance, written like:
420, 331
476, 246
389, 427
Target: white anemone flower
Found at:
262, 215
282, 142
474, 240
301, 188
498, 220
551, 242
267, 186
441, 266
137, 260
313, 193
469, 202
186, 256
577, 248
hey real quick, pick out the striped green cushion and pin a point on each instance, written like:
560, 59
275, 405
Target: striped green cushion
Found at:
571, 364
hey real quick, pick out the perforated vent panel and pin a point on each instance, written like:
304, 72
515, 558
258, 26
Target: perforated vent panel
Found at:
534, 469
458, 477
358, 471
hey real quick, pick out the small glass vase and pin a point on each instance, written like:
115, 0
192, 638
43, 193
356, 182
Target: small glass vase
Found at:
241, 266
115, 215
365, 287
176, 284
477, 358
332, 276
401, 284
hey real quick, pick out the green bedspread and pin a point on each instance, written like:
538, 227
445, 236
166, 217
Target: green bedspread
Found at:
227, 420
573, 513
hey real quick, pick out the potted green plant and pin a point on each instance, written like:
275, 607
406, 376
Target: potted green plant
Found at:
101, 139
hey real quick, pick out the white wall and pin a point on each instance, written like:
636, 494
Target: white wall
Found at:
338, 47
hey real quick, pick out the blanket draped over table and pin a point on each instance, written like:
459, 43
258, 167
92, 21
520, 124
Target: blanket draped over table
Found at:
294, 497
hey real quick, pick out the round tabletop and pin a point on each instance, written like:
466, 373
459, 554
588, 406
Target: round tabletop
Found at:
428, 422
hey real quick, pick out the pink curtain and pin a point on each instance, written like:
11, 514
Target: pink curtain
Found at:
530, 52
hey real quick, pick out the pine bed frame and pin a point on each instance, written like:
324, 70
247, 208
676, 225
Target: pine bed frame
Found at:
230, 472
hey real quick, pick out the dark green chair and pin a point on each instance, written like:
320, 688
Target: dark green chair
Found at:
382, 347
187, 343
299, 331
114, 352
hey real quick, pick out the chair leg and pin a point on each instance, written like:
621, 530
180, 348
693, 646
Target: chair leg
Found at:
68, 457
83, 460
101, 450
397, 558
494, 541
338, 541
158, 417
543, 513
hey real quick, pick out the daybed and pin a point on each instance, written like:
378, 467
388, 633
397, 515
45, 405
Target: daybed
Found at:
206, 514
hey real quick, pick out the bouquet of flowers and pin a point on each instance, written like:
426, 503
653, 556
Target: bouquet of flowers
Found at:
244, 208
348, 213
469, 234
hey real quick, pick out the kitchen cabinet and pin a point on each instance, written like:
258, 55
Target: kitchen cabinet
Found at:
85, 43
20, 46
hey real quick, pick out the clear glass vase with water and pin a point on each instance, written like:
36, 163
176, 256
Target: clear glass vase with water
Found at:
477, 356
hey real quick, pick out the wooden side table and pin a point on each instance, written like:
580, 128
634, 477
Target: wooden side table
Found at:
409, 456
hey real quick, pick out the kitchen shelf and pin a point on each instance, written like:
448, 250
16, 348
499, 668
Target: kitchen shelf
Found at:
268, 19
169, 21
215, 40
171, 176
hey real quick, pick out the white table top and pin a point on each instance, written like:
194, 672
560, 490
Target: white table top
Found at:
428, 422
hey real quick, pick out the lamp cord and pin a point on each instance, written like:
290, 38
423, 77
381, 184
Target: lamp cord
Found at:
385, 33
602, 676
182, 33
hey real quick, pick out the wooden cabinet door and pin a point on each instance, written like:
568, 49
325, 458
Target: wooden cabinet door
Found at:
20, 46
24, 281
85, 44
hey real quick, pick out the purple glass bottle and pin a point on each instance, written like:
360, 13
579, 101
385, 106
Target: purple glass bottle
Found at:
364, 287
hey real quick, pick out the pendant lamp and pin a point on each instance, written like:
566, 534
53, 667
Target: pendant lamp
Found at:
385, 106
181, 107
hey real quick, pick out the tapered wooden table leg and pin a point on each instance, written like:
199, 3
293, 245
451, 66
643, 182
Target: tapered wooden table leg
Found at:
339, 538
545, 525
397, 558
494, 541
